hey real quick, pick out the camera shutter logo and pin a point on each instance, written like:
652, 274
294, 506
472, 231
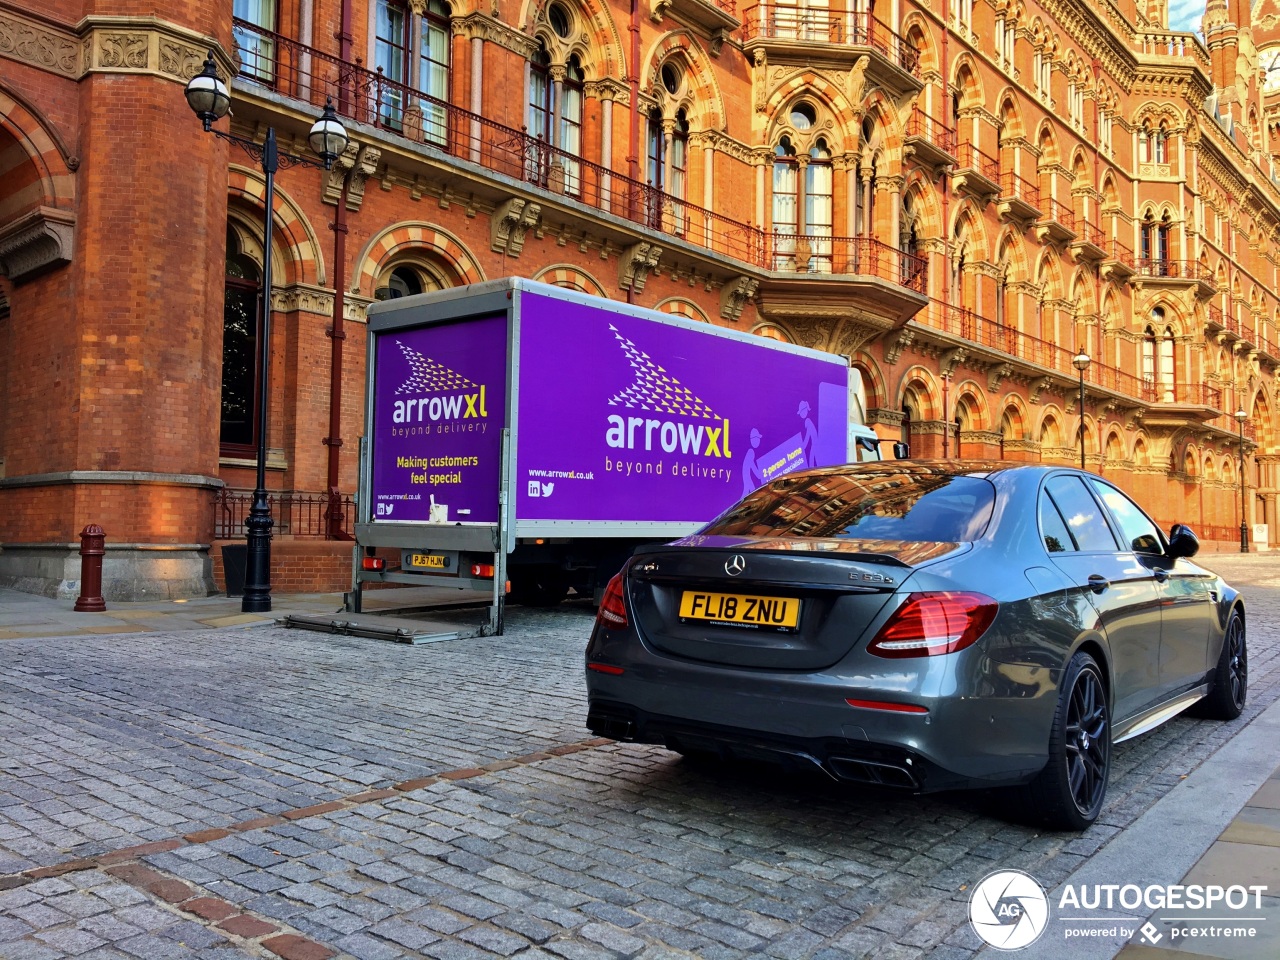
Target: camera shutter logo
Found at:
1009, 910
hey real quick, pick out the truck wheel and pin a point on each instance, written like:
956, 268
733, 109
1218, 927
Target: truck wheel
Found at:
538, 587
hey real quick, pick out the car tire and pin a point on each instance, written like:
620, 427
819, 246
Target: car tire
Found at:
1229, 688
1069, 792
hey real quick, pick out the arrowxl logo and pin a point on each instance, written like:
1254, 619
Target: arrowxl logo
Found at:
1009, 910
658, 392
456, 397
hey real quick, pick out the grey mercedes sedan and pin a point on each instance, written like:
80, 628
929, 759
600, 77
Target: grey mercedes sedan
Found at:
925, 625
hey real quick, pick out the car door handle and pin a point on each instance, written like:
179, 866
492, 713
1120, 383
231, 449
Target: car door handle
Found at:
1098, 583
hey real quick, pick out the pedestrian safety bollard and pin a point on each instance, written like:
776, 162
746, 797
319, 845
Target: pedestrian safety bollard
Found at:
92, 549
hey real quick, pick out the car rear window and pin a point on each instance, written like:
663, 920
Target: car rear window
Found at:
879, 506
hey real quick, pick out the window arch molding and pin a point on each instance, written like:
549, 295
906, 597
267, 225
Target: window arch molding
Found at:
699, 94
296, 254
592, 36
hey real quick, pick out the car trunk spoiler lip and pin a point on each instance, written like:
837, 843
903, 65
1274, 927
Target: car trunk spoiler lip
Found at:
899, 553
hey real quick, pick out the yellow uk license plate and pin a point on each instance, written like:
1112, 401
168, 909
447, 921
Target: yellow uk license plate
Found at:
776, 612
428, 561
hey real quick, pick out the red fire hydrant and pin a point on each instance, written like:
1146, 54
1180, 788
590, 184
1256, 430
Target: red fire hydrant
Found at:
92, 548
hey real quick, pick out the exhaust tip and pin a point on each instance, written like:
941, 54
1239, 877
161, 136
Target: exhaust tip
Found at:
611, 726
874, 772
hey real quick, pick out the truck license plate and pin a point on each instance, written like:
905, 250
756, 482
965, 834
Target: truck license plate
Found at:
429, 561
777, 612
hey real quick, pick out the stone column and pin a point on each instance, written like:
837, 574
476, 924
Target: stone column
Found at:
477, 92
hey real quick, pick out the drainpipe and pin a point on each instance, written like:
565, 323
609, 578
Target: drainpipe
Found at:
345, 40
337, 335
946, 234
633, 157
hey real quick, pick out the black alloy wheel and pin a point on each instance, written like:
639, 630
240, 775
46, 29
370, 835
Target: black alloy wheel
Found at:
1087, 741
1230, 686
1069, 792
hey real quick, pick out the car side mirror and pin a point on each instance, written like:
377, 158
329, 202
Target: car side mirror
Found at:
901, 451
1182, 542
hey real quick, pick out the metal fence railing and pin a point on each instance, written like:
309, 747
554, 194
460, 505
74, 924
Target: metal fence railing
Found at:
303, 515
368, 96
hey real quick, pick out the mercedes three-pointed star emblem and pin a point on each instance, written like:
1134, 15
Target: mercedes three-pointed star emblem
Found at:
735, 565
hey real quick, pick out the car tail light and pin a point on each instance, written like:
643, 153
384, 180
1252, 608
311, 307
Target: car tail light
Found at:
929, 624
613, 608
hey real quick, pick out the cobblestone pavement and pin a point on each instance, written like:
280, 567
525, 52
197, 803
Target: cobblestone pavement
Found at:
278, 793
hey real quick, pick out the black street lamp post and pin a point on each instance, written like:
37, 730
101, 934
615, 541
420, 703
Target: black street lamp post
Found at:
210, 99
1241, 417
1081, 362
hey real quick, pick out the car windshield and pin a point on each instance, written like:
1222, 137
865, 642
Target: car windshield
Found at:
913, 506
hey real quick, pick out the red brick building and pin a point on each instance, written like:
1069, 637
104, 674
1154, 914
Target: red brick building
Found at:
960, 198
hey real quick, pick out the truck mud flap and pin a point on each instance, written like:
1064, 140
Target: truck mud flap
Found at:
377, 627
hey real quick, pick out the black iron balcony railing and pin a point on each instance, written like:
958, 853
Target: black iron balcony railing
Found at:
845, 27
369, 97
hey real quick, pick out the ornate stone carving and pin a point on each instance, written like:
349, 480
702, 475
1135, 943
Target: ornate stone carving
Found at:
951, 359
895, 343
124, 51
40, 46
760, 80
180, 60
495, 31
509, 223
718, 36
856, 82
1039, 387
359, 161
735, 294
42, 239
996, 374
302, 298
635, 264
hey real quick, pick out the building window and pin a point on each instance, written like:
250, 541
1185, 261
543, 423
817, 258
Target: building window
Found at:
786, 212
1153, 144
558, 17
240, 324
818, 207
1154, 238
865, 178
433, 71
802, 244
666, 167
571, 126
538, 123
1157, 358
257, 48
391, 56
403, 282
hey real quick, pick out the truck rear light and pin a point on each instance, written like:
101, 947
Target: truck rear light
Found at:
613, 608
482, 570
373, 563
930, 624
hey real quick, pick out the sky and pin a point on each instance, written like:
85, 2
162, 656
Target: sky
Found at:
1185, 14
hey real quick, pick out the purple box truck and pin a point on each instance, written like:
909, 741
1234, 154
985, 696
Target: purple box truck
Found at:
519, 432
